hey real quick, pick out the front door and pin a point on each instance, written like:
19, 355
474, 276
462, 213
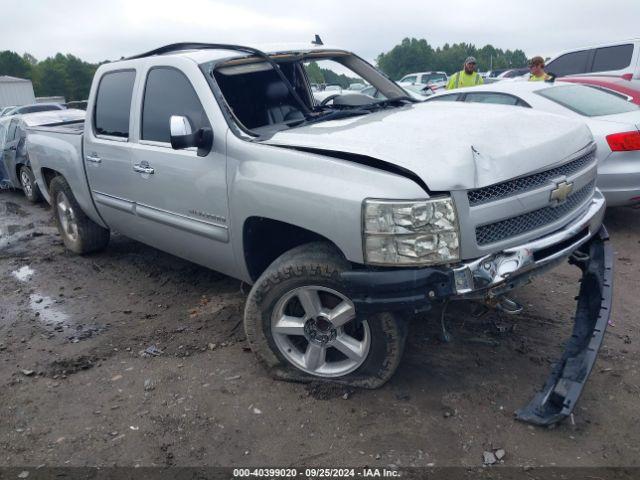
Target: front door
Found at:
181, 198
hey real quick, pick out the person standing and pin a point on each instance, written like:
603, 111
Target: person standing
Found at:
467, 77
536, 67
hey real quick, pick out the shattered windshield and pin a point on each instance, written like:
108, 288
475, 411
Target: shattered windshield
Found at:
260, 100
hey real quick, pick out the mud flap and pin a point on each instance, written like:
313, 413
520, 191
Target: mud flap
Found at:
563, 387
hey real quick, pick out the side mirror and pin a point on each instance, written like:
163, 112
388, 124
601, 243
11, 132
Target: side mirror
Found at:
182, 136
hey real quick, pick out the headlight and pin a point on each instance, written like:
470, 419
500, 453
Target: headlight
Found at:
410, 232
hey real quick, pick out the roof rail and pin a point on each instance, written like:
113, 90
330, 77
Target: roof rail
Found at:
179, 47
183, 46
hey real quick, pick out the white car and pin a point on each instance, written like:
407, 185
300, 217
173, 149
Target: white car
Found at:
614, 122
435, 80
620, 59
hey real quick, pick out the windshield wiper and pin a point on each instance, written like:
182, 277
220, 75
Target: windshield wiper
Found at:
331, 115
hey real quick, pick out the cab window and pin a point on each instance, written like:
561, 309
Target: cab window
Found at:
168, 92
113, 104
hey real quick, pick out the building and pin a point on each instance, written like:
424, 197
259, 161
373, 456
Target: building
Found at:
15, 91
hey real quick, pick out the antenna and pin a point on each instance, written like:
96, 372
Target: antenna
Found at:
317, 41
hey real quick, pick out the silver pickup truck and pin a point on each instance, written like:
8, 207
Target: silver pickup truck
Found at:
347, 216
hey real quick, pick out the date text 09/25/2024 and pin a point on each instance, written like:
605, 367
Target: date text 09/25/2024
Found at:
315, 473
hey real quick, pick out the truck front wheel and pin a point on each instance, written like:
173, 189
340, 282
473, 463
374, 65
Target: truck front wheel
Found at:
302, 325
79, 233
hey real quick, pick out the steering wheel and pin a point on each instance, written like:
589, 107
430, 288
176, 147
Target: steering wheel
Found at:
328, 99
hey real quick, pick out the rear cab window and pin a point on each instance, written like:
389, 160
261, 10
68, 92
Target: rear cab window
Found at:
169, 92
445, 98
587, 101
113, 104
495, 98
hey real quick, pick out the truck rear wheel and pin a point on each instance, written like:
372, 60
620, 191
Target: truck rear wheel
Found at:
29, 185
302, 325
79, 233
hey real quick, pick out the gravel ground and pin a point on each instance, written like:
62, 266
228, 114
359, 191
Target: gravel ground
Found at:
77, 389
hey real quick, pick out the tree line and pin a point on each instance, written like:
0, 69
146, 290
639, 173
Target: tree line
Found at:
69, 76
413, 55
64, 75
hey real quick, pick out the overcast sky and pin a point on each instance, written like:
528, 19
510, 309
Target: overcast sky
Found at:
101, 30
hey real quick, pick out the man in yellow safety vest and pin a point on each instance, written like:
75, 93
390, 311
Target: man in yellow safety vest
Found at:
536, 67
467, 77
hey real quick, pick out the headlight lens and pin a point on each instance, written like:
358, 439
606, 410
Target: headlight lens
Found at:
410, 232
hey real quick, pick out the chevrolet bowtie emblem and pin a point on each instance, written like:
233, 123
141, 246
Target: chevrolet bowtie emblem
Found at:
562, 191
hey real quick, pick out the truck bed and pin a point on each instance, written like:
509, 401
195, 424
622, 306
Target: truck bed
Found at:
57, 149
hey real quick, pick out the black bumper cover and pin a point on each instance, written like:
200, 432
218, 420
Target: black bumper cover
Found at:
563, 387
391, 290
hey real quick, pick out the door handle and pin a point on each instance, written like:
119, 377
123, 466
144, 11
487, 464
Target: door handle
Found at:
140, 168
93, 158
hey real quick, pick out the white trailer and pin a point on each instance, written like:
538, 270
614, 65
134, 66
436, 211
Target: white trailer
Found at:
16, 91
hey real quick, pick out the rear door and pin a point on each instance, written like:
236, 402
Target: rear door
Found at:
107, 150
181, 198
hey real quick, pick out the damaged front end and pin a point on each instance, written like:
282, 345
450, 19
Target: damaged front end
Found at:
584, 243
564, 385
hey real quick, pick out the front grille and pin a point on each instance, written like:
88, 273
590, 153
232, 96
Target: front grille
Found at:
519, 185
511, 227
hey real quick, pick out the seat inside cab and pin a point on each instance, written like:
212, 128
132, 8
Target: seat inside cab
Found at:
258, 96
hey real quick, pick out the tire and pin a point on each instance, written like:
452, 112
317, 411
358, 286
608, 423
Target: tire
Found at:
79, 233
289, 347
29, 185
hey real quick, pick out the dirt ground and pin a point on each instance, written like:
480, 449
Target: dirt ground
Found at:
76, 388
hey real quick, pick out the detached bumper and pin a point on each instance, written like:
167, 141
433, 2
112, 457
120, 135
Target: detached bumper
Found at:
562, 389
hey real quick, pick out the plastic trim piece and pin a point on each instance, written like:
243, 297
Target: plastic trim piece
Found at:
563, 387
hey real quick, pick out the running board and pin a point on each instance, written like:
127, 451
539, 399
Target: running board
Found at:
563, 387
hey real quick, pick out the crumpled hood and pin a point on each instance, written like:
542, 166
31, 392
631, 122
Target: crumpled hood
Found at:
451, 146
